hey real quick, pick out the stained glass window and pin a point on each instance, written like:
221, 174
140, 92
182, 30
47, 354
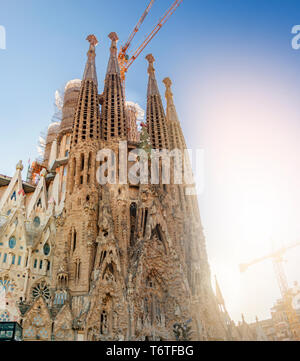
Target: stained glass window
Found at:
36, 221
41, 289
46, 249
12, 242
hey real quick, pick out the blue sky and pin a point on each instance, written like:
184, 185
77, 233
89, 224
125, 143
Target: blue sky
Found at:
236, 83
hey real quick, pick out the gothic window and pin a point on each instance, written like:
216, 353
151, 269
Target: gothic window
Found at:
82, 162
157, 235
12, 242
74, 240
89, 160
13, 259
19, 260
153, 296
102, 257
133, 212
4, 257
79, 266
14, 196
46, 249
41, 264
145, 221
41, 289
103, 323
39, 203
77, 269
37, 221
108, 273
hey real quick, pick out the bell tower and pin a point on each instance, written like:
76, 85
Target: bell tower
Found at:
77, 244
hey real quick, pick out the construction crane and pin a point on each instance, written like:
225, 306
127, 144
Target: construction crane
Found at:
126, 61
123, 51
277, 260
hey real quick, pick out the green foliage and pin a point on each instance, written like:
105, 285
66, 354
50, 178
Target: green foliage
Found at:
145, 142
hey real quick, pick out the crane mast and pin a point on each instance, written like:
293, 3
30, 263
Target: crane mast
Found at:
124, 48
277, 260
124, 60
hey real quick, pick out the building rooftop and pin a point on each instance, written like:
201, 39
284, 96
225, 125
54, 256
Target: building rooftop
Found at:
5, 180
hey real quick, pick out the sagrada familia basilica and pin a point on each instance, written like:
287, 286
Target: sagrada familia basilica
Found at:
85, 261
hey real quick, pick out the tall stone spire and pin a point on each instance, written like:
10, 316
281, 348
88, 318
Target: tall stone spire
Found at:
82, 187
113, 117
90, 68
176, 137
87, 116
156, 119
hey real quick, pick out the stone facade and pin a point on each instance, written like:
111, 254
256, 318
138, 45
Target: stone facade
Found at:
84, 261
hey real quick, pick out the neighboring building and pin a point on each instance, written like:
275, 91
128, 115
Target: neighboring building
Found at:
278, 327
82, 261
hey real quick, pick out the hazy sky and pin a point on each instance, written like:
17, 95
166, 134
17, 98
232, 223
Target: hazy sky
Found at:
236, 83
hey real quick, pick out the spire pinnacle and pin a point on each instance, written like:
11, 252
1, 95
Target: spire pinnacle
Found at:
168, 94
19, 166
152, 85
156, 119
168, 83
113, 64
151, 61
90, 68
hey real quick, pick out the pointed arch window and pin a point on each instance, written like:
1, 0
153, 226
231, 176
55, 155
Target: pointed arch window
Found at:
103, 323
74, 240
14, 196
145, 221
36, 222
133, 213
12, 242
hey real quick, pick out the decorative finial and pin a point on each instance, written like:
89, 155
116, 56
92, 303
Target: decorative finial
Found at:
43, 173
92, 40
168, 83
151, 61
19, 166
113, 36
113, 48
169, 95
